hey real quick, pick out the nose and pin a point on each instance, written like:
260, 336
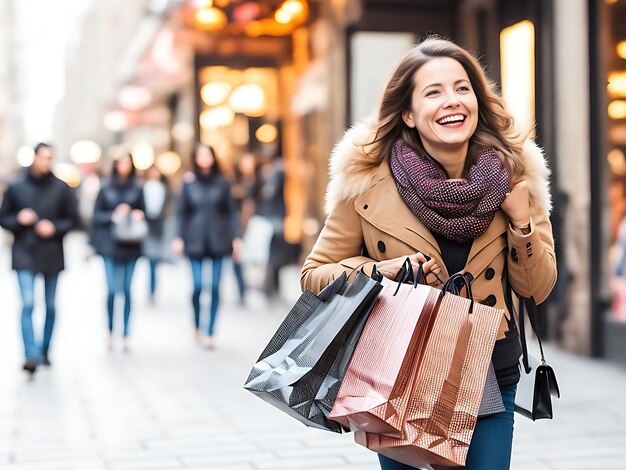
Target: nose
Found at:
452, 100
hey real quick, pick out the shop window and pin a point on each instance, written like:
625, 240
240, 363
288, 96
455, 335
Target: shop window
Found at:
517, 59
616, 116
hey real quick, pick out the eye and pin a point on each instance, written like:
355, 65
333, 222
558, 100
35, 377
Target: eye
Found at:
432, 92
463, 88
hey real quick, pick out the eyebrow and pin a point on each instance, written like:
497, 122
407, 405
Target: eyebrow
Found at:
439, 84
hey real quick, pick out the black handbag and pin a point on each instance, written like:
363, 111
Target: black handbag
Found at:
538, 382
301, 369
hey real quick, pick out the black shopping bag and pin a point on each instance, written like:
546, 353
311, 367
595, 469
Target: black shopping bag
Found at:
301, 369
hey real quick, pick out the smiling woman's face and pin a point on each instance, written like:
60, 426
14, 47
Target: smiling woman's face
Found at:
444, 108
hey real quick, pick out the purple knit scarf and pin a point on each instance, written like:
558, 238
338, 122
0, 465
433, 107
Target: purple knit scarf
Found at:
458, 209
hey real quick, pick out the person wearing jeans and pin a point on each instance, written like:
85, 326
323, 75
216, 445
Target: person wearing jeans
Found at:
208, 229
26, 281
39, 209
121, 197
119, 275
156, 197
216, 275
491, 431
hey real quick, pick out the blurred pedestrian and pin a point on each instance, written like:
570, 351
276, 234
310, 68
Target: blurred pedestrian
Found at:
442, 175
271, 205
39, 209
118, 229
208, 229
243, 191
156, 195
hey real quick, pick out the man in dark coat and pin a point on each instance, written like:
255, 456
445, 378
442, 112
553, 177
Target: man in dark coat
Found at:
39, 209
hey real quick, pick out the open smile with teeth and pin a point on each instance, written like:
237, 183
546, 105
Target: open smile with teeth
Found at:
454, 119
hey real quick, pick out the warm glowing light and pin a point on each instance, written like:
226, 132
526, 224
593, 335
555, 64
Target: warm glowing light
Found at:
293, 7
85, 151
222, 3
617, 161
248, 99
517, 56
68, 173
183, 131
282, 16
143, 155
621, 49
217, 117
199, 4
611, 2
211, 19
25, 156
168, 163
266, 133
215, 93
134, 97
617, 84
617, 109
116, 121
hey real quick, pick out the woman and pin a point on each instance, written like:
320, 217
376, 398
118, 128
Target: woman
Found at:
443, 176
120, 201
156, 194
208, 229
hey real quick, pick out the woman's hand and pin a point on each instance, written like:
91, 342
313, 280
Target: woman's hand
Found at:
178, 246
516, 205
390, 267
237, 249
120, 211
137, 214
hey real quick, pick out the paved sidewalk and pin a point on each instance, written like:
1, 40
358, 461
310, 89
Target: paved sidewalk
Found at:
170, 404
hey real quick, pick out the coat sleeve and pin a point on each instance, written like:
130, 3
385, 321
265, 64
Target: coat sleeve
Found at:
101, 213
531, 260
337, 249
8, 212
68, 218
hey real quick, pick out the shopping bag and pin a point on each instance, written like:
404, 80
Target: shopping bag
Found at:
301, 368
373, 394
447, 386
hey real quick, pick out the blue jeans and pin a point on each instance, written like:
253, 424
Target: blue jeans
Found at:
119, 274
153, 268
491, 443
196, 270
26, 281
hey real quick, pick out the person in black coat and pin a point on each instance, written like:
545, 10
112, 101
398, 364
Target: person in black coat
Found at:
119, 201
208, 228
39, 209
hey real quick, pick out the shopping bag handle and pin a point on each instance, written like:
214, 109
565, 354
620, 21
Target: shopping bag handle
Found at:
451, 287
421, 275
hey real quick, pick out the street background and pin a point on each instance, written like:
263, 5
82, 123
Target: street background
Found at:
170, 404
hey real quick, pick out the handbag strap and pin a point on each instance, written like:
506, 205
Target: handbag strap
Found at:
529, 306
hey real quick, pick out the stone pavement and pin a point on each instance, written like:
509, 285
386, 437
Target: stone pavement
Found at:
170, 404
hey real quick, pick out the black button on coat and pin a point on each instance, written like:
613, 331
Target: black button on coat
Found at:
112, 194
51, 199
208, 219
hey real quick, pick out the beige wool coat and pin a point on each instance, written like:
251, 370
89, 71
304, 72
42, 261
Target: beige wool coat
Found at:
366, 211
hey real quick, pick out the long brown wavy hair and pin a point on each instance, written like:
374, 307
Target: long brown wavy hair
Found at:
496, 127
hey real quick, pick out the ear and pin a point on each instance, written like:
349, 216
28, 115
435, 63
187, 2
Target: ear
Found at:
407, 117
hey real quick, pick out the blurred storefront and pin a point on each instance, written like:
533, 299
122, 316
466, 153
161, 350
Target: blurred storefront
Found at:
284, 78
608, 176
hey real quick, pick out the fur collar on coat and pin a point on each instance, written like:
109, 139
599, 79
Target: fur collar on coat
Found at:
344, 186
